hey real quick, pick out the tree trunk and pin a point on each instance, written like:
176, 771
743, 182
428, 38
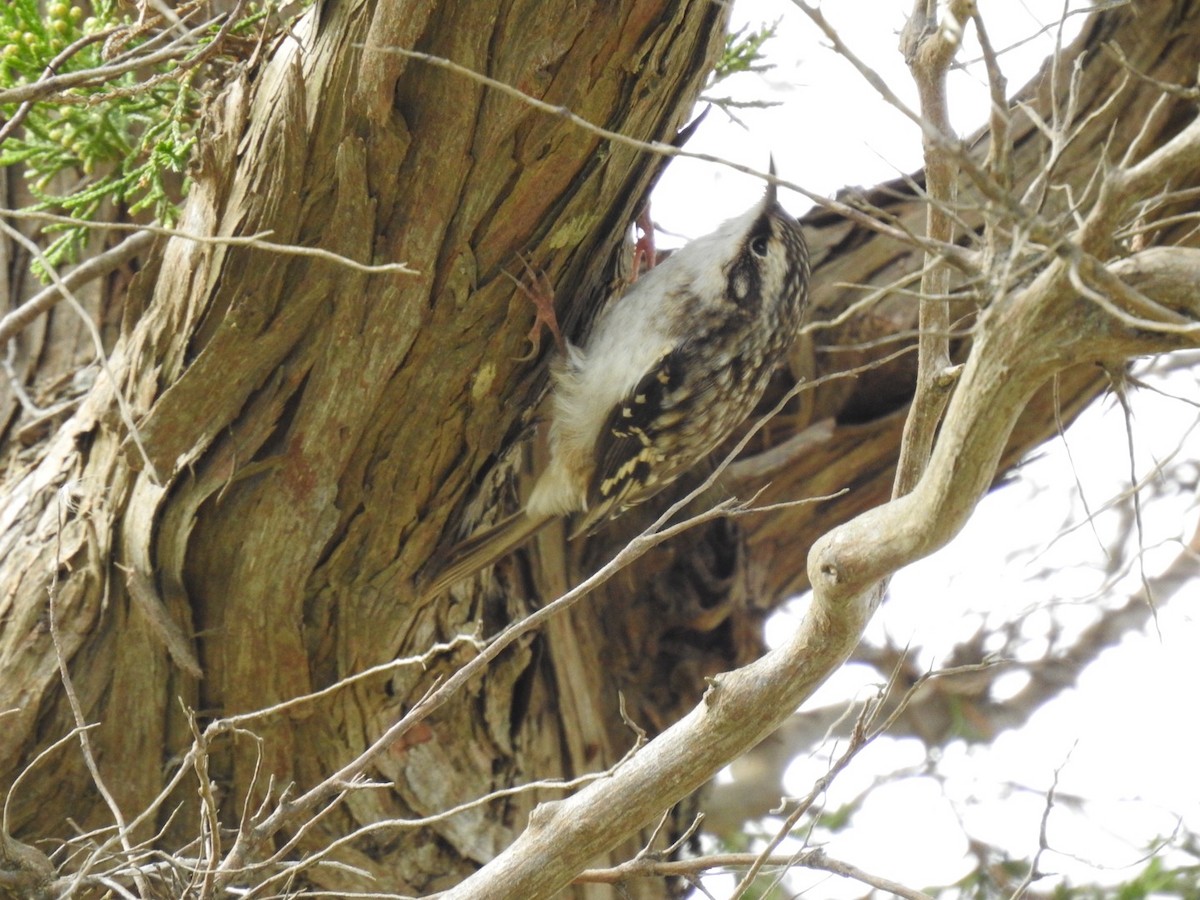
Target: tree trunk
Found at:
309, 431
311, 439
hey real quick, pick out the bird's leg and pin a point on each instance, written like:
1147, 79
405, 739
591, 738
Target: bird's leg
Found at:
643, 248
536, 286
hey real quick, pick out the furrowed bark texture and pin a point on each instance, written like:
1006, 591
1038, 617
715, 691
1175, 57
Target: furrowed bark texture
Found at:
316, 438
310, 429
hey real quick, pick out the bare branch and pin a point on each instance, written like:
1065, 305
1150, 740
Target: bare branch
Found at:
690, 868
101, 354
289, 810
96, 267
256, 241
929, 56
56, 84
1044, 330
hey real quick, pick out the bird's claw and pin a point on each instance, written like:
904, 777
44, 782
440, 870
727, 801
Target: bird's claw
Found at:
536, 286
644, 251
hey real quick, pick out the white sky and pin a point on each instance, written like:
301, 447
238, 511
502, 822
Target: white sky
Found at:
1126, 739
830, 129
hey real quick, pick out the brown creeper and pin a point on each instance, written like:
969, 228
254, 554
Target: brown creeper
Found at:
669, 370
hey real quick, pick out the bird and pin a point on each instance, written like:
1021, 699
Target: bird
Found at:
669, 370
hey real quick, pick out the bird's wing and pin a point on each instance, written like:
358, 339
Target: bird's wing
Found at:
631, 459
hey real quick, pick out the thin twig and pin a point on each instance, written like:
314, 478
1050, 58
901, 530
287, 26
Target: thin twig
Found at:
999, 162
47, 87
858, 740
31, 765
65, 54
1043, 839
256, 241
96, 267
684, 868
81, 723
959, 257
654, 534
101, 354
980, 179
230, 723
1117, 381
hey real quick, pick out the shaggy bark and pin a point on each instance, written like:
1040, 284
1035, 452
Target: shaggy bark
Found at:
309, 430
315, 437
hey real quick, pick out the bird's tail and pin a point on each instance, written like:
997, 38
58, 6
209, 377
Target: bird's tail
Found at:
485, 547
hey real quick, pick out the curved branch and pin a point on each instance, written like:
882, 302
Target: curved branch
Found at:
1022, 341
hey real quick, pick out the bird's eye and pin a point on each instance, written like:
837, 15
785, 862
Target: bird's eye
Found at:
758, 246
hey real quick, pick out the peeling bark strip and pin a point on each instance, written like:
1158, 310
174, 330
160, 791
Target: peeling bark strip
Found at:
320, 433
